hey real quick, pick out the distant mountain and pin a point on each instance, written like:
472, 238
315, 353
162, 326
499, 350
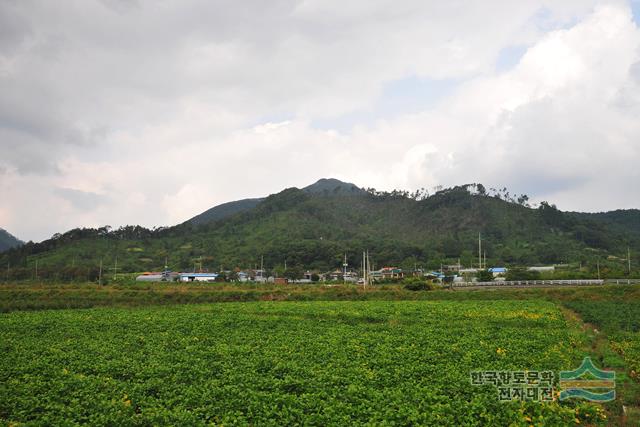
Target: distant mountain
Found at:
224, 210
315, 226
623, 220
324, 186
8, 241
334, 187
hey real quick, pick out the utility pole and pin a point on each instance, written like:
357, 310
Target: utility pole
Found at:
368, 268
115, 269
364, 271
100, 273
598, 267
629, 264
344, 268
479, 252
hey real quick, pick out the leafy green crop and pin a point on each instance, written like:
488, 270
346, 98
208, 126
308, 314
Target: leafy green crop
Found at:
620, 320
287, 363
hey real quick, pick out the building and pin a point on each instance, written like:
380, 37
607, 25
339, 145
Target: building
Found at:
337, 275
163, 276
498, 271
434, 275
150, 277
386, 273
259, 276
542, 269
198, 277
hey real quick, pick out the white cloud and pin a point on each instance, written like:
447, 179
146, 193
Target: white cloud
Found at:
166, 109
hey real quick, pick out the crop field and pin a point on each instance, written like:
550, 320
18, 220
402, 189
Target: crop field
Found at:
621, 322
284, 363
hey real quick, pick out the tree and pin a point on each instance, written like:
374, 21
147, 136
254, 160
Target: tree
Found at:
522, 274
293, 273
484, 276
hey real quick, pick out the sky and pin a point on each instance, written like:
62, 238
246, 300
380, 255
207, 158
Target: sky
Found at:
118, 112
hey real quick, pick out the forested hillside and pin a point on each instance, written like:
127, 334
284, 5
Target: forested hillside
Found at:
8, 241
313, 228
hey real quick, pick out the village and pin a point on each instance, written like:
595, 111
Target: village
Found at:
448, 273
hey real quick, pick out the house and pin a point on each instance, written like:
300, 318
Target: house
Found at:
150, 277
350, 276
498, 271
434, 275
389, 273
164, 276
281, 281
258, 276
198, 277
542, 269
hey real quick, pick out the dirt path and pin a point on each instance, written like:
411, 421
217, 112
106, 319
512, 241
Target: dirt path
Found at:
625, 410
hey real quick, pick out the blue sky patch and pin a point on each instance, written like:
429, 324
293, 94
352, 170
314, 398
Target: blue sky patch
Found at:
635, 8
403, 96
509, 57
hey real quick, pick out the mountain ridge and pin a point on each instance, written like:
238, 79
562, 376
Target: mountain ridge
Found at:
8, 241
314, 226
324, 185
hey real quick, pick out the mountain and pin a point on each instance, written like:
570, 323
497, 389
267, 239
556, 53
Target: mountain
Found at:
7, 241
334, 187
324, 186
315, 226
623, 220
224, 210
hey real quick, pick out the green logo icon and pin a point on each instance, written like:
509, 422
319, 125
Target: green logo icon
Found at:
588, 382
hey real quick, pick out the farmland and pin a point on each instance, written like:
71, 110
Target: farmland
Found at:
620, 320
275, 363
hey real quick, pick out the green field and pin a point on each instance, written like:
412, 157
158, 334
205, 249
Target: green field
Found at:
283, 363
620, 320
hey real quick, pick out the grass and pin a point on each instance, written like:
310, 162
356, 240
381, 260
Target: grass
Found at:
37, 296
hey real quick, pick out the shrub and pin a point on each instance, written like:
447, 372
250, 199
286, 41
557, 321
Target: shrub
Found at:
417, 284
